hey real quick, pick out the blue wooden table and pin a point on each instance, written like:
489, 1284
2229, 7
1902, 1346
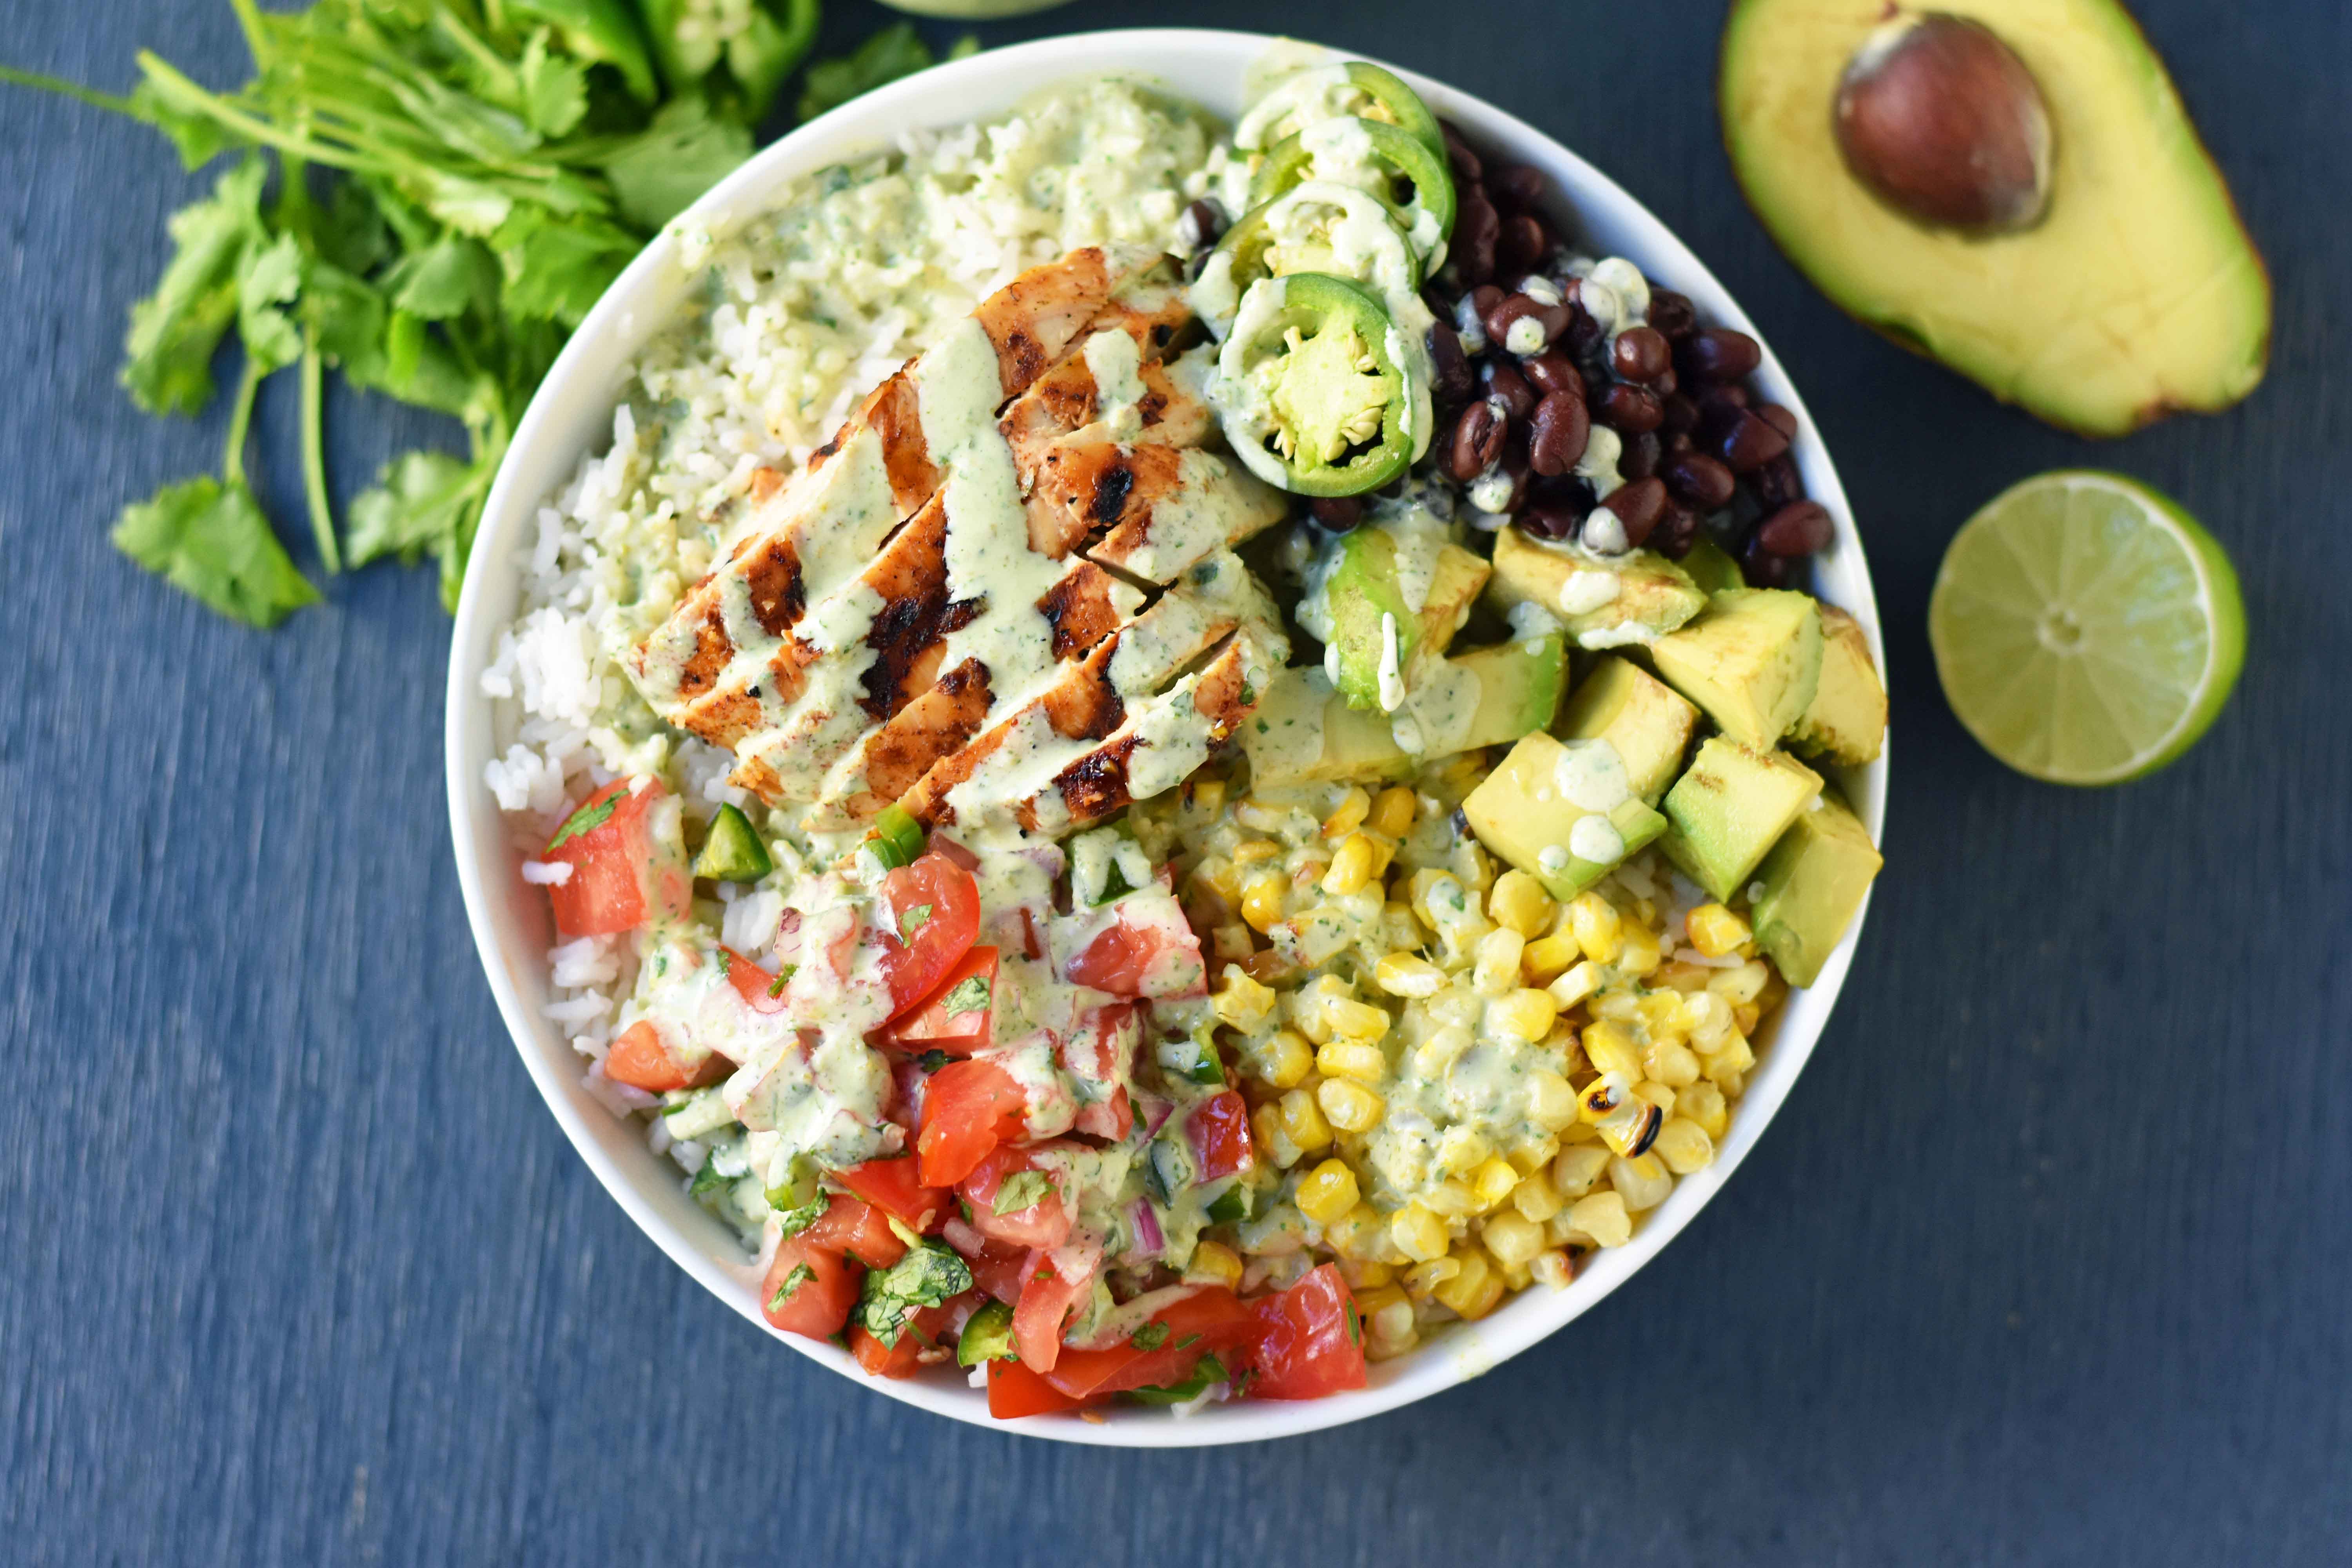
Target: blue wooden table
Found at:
2047, 1260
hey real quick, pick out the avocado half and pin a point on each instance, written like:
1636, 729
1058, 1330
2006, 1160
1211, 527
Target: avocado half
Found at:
2137, 293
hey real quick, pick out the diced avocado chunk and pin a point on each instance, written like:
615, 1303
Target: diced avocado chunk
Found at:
1649, 596
1367, 596
732, 853
1649, 724
1523, 812
1751, 661
1846, 720
1305, 732
1729, 810
1812, 882
1711, 568
987, 1336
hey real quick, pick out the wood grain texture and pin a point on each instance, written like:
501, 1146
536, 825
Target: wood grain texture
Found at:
2044, 1261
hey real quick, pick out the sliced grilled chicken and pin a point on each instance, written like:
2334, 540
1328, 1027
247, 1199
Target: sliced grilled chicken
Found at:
1150, 510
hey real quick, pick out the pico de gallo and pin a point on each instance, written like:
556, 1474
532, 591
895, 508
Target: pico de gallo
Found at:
971, 1100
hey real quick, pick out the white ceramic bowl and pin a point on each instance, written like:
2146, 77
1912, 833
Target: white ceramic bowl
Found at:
572, 412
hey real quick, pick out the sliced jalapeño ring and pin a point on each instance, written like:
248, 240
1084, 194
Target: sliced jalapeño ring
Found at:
1410, 181
1315, 390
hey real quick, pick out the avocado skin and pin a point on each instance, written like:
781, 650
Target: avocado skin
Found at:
1724, 815
2054, 317
1813, 881
1649, 723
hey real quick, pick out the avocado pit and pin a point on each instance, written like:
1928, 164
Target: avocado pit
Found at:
1942, 122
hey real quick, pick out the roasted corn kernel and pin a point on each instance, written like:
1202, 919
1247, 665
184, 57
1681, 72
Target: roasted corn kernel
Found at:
1341, 1056
1716, 930
1477, 1287
1519, 903
1684, 1145
1348, 815
1328, 1191
1418, 1232
1406, 975
1349, 1106
1393, 812
1597, 925
1602, 1218
1215, 1263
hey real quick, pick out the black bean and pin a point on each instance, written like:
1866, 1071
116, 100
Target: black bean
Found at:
1476, 227
1551, 319
1553, 373
1784, 420
1557, 433
1639, 506
1642, 353
1477, 440
1718, 355
1681, 413
1677, 531
1337, 513
1524, 241
1202, 224
1665, 384
1677, 442
1519, 398
1672, 314
1516, 186
1641, 454
1700, 480
1762, 568
1584, 333
1467, 167
1629, 410
1513, 464
1748, 442
1451, 380
1549, 521
1715, 398
1801, 528
1776, 483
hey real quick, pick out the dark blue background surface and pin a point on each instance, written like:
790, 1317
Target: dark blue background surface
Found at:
2045, 1260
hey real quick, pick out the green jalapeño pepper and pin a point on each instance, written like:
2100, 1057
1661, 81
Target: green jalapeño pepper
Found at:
1357, 87
1412, 182
756, 42
600, 31
1313, 387
1320, 226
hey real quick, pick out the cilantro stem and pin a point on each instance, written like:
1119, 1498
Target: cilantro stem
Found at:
240, 422
314, 452
177, 88
248, 18
73, 90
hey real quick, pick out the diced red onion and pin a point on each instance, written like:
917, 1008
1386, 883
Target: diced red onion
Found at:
1148, 1241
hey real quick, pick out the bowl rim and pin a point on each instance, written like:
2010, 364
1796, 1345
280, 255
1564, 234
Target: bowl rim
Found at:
590, 371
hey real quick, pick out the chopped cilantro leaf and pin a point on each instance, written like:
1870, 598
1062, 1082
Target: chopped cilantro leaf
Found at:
783, 978
211, 539
928, 1276
1188, 1342
586, 820
1150, 1337
913, 921
800, 1275
1022, 1189
1355, 1326
932, 1060
791, 1222
708, 1179
970, 996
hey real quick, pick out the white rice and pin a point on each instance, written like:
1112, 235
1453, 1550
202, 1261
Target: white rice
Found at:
802, 311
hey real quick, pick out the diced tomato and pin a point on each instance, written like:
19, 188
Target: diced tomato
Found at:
641, 1060
761, 991
1043, 1224
1220, 1132
1046, 1297
877, 1360
1207, 1321
891, 1186
856, 1228
1014, 1391
997, 1267
1149, 950
955, 1016
1097, 1055
620, 877
1108, 1119
1306, 1341
969, 1108
819, 1304
935, 917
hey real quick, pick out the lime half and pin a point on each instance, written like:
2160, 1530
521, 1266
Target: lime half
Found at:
2087, 629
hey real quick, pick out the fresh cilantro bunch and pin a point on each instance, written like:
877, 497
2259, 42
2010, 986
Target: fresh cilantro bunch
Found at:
426, 196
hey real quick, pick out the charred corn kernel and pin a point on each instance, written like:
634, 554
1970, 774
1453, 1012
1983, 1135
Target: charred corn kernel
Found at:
1351, 866
1273, 1137
1702, 1103
1282, 1060
1744, 983
1551, 1103
1710, 1017
1452, 1199
1733, 1056
1638, 953
1242, 1002
1362, 1277
1610, 1048
1403, 974
1249, 851
1578, 1167
1684, 1145
1553, 1268
1303, 1119
1513, 1238
1745, 1016
1462, 1150
1525, 1013
1545, 959
1605, 1096
1262, 900
1597, 925
1656, 1093
1535, 1197
1327, 1193
1418, 1232
1575, 984
1354, 1020
1716, 930
1519, 903
1348, 815
1493, 1181
1670, 1063
1628, 1130
1602, 1218
1498, 962
1393, 812
1349, 1106
1389, 1327
1340, 1057
1642, 1181
1362, 1234
1476, 1288
1215, 1263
